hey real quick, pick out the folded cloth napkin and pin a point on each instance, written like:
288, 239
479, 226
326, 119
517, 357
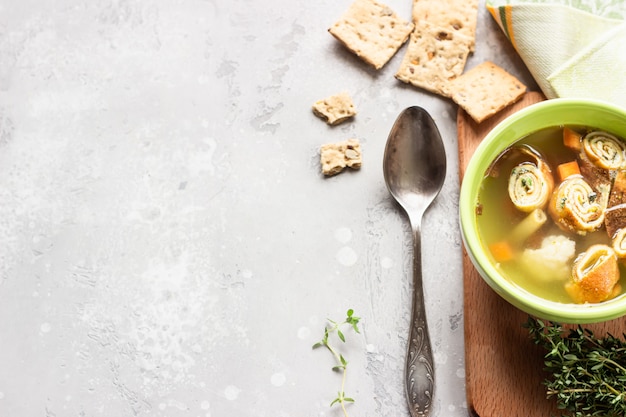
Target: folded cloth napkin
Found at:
572, 48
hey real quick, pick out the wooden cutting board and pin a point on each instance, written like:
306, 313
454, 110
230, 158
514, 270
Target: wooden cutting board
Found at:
504, 368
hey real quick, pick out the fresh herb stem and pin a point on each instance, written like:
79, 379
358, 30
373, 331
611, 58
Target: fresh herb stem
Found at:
341, 364
587, 373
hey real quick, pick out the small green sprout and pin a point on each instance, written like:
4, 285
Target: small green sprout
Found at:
341, 364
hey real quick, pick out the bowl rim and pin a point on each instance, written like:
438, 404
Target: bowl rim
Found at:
492, 144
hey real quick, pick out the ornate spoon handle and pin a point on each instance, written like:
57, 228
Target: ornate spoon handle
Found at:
419, 370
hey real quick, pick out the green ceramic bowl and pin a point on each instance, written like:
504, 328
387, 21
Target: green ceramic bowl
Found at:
550, 113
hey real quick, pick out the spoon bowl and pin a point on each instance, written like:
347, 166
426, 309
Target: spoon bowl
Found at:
414, 167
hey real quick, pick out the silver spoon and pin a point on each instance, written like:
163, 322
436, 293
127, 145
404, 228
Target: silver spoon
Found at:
414, 166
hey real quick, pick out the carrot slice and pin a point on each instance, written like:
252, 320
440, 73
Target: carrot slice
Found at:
571, 139
501, 251
568, 169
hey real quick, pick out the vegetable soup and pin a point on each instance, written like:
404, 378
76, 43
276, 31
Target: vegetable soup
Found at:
551, 213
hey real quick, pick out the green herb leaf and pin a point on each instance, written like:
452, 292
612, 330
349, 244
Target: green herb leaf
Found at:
341, 362
587, 373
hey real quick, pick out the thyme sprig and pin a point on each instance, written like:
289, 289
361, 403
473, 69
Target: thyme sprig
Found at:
334, 327
587, 373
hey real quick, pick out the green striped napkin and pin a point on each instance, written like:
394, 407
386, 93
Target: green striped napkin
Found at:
573, 48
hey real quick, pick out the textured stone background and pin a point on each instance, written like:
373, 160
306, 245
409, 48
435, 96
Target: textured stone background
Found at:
168, 246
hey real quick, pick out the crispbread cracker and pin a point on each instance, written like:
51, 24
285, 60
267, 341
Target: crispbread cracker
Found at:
434, 57
372, 31
457, 15
334, 157
335, 109
485, 90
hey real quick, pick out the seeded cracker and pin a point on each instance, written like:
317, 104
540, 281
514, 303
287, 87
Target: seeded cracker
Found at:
335, 109
459, 16
485, 90
334, 157
434, 57
372, 31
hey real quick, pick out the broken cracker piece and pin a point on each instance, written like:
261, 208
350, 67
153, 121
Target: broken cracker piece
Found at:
335, 109
372, 31
485, 90
435, 56
334, 157
457, 15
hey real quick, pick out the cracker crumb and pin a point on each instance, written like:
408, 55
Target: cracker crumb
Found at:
335, 157
335, 109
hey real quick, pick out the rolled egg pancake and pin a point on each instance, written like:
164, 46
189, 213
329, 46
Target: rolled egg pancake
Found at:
594, 275
576, 207
605, 150
619, 243
530, 185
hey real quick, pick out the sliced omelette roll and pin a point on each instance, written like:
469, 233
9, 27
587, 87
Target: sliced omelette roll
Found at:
576, 207
605, 150
594, 275
531, 182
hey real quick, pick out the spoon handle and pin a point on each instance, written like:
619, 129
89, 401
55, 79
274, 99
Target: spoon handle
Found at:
419, 370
